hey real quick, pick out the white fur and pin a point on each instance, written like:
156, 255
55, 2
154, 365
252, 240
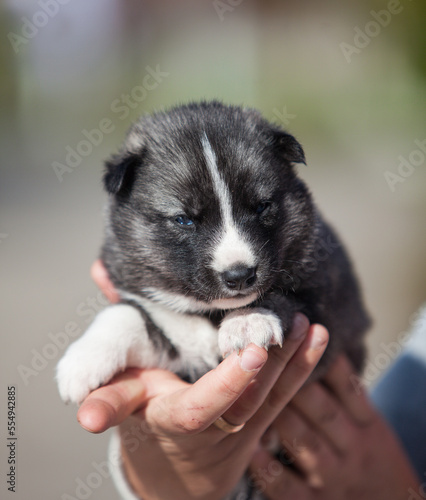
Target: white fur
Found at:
234, 302
219, 185
118, 339
183, 303
104, 350
232, 247
243, 327
133, 141
231, 250
194, 336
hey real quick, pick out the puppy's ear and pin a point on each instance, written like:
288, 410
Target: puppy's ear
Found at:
120, 172
288, 147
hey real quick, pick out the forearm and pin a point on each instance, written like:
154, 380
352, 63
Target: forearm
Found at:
154, 472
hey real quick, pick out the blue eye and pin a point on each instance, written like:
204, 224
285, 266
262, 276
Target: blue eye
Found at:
184, 220
263, 207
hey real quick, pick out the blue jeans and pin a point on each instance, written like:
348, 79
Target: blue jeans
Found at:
400, 396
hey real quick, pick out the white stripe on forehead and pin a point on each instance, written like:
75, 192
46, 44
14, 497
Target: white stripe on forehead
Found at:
219, 185
232, 249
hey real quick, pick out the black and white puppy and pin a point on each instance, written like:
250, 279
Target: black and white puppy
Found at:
212, 242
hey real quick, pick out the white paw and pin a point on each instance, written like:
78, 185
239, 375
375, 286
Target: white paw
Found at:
116, 333
241, 328
84, 368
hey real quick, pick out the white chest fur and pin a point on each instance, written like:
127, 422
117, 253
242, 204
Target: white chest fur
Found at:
194, 336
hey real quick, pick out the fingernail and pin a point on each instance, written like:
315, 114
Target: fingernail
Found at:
251, 360
319, 340
299, 328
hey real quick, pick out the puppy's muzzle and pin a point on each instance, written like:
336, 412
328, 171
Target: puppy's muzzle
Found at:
239, 278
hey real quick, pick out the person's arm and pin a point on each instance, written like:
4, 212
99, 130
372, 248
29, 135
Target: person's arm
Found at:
340, 446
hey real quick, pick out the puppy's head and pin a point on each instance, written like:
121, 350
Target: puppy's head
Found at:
205, 210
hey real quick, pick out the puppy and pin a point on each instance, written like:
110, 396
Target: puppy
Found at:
213, 243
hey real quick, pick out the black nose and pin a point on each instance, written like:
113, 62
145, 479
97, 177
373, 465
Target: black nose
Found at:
239, 277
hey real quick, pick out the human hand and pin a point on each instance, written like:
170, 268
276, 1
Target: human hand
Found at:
170, 447
339, 444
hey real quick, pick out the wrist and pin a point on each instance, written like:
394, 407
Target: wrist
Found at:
118, 471
142, 472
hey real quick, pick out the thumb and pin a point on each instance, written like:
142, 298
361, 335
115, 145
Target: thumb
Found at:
111, 404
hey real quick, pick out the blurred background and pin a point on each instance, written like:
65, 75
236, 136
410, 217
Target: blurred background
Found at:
348, 79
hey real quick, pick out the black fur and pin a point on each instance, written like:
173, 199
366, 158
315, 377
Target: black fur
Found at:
161, 173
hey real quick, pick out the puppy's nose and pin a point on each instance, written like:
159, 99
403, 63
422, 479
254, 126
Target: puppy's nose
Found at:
239, 277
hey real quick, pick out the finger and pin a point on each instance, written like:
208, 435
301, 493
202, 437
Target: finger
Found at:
342, 380
254, 395
274, 480
100, 277
180, 407
325, 414
195, 409
305, 445
113, 403
292, 378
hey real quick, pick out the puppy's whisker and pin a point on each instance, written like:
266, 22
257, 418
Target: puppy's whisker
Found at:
263, 246
283, 271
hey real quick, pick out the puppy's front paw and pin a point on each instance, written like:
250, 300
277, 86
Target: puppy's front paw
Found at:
110, 341
243, 327
83, 369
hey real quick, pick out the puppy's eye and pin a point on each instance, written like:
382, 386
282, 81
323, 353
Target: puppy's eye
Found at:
263, 208
184, 221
